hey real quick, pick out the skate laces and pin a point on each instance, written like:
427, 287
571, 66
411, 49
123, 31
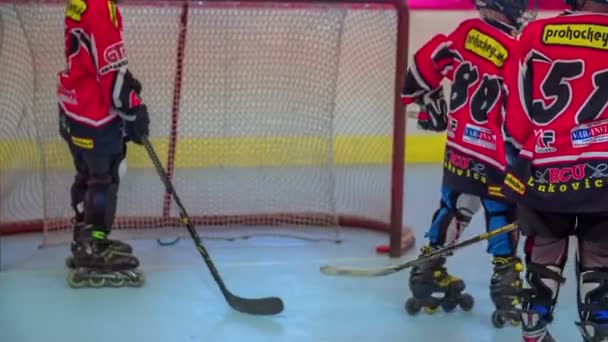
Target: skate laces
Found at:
427, 249
506, 278
440, 273
98, 235
507, 262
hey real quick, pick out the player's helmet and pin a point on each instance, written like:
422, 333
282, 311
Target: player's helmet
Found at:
519, 12
575, 5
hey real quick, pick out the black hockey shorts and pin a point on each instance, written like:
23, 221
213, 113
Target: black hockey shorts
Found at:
548, 236
101, 141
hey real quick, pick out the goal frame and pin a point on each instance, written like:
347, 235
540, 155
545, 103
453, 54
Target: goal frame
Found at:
394, 228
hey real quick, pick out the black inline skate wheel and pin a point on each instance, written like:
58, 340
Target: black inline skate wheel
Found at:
69, 262
466, 302
413, 306
116, 282
74, 281
498, 319
449, 306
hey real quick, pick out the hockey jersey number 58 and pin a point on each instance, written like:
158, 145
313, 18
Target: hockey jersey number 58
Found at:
474, 58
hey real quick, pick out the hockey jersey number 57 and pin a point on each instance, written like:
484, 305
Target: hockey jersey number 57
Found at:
557, 118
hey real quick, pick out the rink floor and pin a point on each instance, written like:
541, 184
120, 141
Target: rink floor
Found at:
180, 301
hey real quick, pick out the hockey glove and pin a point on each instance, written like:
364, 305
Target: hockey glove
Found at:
126, 100
136, 123
434, 111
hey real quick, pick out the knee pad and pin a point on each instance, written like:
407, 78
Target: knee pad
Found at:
466, 206
77, 194
544, 250
592, 253
452, 218
100, 202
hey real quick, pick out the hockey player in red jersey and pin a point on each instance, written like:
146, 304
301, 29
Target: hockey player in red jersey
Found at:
556, 128
473, 58
100, 109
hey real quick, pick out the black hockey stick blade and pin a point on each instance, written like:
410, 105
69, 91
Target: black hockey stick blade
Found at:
252, 306
386, 270
260, 306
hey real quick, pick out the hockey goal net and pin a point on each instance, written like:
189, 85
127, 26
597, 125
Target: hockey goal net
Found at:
266, 113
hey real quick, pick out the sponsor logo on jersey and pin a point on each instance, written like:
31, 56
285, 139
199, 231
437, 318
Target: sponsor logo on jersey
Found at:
544, 141
582, 35
479, 136
67, 95
515, 184
463, 166
115, 57
566, 174
75, 9
571, 178
452, 126
486, 47
112, 10
495, 191
85, 143
460, 161
587, 134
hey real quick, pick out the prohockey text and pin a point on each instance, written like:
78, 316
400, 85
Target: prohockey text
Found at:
583, 35
486, 47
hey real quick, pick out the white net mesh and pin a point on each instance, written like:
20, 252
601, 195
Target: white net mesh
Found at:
264, 113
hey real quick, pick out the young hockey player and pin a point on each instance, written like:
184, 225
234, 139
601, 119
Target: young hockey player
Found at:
98, 102
473, 58
556, 128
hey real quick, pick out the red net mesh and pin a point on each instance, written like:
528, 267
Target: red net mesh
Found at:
265, 113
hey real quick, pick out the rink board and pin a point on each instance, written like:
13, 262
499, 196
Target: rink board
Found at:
244, 151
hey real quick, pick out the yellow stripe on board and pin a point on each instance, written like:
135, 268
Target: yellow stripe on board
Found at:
243, 152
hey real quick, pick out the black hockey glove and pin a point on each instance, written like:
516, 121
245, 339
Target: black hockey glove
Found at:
433, 115
128, 103
136, 123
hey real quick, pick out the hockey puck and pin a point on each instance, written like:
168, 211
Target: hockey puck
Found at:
383, 249
407, 242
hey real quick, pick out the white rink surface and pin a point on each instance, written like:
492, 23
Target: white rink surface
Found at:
180, 301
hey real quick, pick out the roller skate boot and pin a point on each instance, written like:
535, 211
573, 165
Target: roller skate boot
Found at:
433, 287
593, 305
505, 289
116, 245
535, 325
593, 332
97, 264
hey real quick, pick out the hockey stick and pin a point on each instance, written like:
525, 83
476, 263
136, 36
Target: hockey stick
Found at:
258, 306
383, 271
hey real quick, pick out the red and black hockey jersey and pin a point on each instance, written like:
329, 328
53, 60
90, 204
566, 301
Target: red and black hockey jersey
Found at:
557, 116
88, 89
473, 58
